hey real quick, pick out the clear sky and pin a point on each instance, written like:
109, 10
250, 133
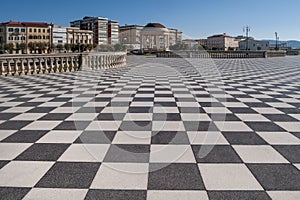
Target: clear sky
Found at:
196, 18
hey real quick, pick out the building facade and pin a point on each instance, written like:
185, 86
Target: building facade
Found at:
130, 35
222, 42
77, 36
113, 32
26, 37
202, 42
59, 35
253, 45
100, 28
190, 43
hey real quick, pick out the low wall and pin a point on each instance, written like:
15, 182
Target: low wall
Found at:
221, 54
52, 63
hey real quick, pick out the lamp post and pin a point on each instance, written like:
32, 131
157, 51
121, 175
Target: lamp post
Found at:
247, 30
277, 38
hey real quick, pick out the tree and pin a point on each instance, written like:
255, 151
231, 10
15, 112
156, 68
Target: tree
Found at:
120, 47
9, 47
32, 46
179, 46
23, 47
60, 47
68, 47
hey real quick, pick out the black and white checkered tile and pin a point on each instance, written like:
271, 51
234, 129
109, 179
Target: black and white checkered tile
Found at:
157, 129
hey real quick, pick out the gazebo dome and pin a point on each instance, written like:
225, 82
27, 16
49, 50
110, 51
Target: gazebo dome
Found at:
155, 25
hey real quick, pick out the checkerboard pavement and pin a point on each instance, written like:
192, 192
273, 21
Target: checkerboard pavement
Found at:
157, 129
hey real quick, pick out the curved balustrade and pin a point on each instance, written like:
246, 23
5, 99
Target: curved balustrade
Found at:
221, 54
53, 63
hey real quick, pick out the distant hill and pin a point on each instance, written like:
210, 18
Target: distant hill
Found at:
290, 43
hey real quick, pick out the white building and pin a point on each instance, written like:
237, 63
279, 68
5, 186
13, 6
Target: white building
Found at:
190, 43
113, 32
222, 42
254, 45
59, 35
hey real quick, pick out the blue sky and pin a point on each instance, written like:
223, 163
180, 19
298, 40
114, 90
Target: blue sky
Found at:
196, 18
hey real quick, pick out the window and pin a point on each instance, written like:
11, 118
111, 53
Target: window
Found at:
10, 38
44, 31
39, 30
17, 38
10, 30
23, 38
48, 37
23, 30
17, 30
0, 30
30, 30
34, 30
44, 37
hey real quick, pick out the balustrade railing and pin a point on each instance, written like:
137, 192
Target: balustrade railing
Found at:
53, 63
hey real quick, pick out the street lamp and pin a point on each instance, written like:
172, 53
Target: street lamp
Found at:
277, 39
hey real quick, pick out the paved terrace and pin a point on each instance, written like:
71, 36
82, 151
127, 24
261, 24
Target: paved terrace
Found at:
157, 129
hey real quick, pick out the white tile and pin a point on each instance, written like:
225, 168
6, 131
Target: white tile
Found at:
284, 195
216, 110
228, 177
168, 126
23, 173
280, 105
234, 105
115, 110
195, 117
85, 153
9, 151
138, 117
17, 110
233, 126
96, 104
82, 116
65, 110
52, 104
207, 138
162, 109
296, 116
104, 126
259, 154
60, 137
5, 133
54, 194
42, 125
279, 138
28, 116
297, 165
188, 104
172, 154
141, 104
132, 137
289, 126
177, 195
123, 176
252, 117
267, 110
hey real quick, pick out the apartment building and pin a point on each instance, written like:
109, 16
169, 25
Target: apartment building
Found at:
77, 36
175, 36
59, 35
25, 37
100, 27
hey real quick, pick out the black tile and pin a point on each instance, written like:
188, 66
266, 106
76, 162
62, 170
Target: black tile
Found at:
41, 110
290, 152
90, 110
264, 126
143, 99
69, 175
175, 177
140, 110
238, 195
276, 176
128, 153
223, 117
242, 110
30, 104
3, 163
290, 110
13, 193
280, 118
169, 137
14, 125
200, 126
56, 116
72, 125
116, 195
111, 116
96, 137
165, 104
136, 126
43, 152
244, 138
7, 116
166, 117
191, 110
25, 136
215, 154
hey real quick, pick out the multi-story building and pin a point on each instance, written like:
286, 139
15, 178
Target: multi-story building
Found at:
59, 35
98, 25
222, 42
202, 42
14, 33
175, 36
113, 32
253, 45
190, 43
30, 37
77, 36
130, 35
